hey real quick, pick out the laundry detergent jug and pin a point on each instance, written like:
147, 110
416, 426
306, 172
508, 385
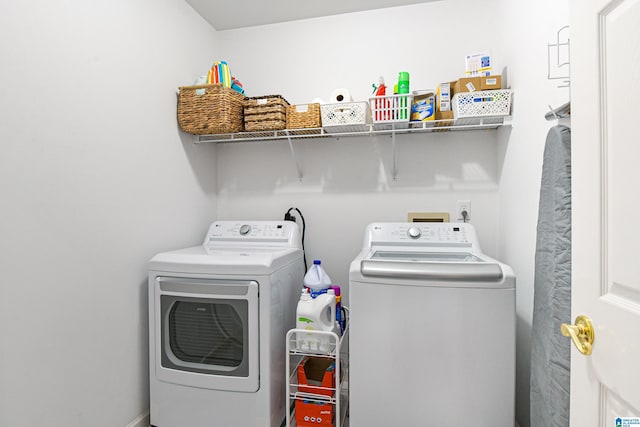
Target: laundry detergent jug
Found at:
316, 314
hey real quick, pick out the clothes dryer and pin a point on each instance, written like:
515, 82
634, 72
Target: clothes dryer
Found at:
218, 318
432, 329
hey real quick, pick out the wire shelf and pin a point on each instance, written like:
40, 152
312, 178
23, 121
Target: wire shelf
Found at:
472, 123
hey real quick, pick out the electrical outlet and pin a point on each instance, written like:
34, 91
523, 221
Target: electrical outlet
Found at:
463, 205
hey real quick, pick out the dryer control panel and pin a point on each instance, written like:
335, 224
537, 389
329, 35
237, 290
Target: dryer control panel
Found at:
441, 234
253, 233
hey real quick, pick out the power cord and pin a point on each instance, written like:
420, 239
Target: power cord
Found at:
289, 217
464, 214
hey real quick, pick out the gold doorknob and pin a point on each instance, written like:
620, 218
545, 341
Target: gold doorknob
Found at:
581, 334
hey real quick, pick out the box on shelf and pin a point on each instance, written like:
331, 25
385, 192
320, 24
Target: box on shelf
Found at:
444, 118
310, 413
478, 64
423, 107
466, 84
490, 82
317, 375
210, 109
262, 113
345, 116
482, 104
391, 108
303, 116
443, 97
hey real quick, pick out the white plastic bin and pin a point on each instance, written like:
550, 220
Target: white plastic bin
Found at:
487, 103
345, 116
391, 108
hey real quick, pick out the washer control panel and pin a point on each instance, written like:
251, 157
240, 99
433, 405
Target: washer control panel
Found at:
443, 234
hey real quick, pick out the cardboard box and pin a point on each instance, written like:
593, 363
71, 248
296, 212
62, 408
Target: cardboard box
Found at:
443, 97
478, 64
490, 82
423, 106
310, 413
446, 117
317, 375
466, 84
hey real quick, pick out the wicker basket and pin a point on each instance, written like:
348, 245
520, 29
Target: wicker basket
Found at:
210, 109
265, 113
303, 116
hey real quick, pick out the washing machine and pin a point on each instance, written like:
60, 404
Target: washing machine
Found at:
432, 329
218, 318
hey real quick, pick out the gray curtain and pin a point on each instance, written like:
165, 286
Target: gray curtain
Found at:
550, 351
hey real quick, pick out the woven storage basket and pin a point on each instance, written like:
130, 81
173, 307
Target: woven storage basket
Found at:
303, 116
265, 113
210, 109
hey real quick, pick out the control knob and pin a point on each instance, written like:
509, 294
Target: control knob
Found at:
414, 232
245, 229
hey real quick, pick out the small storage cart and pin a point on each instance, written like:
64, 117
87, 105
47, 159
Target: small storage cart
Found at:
317, 381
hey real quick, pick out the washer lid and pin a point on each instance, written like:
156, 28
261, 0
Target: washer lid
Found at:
431, 266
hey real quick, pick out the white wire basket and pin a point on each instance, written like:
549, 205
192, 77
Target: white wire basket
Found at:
391, 108
487, 103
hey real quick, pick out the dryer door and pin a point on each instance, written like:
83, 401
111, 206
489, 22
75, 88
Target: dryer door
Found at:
207, 333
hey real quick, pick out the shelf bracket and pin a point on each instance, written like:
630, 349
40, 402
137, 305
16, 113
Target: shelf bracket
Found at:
293, 155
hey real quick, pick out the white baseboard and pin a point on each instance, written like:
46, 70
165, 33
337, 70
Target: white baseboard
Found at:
141, 420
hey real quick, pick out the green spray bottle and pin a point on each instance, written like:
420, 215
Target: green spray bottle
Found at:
403, 87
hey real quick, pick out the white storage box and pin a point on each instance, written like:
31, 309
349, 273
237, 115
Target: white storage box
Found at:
345, 117
486, 103
391, 108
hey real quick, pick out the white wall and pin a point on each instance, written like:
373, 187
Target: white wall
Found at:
347, 182
94, 179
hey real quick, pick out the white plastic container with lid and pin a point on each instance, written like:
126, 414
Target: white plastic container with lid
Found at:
316, 278
316, 314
